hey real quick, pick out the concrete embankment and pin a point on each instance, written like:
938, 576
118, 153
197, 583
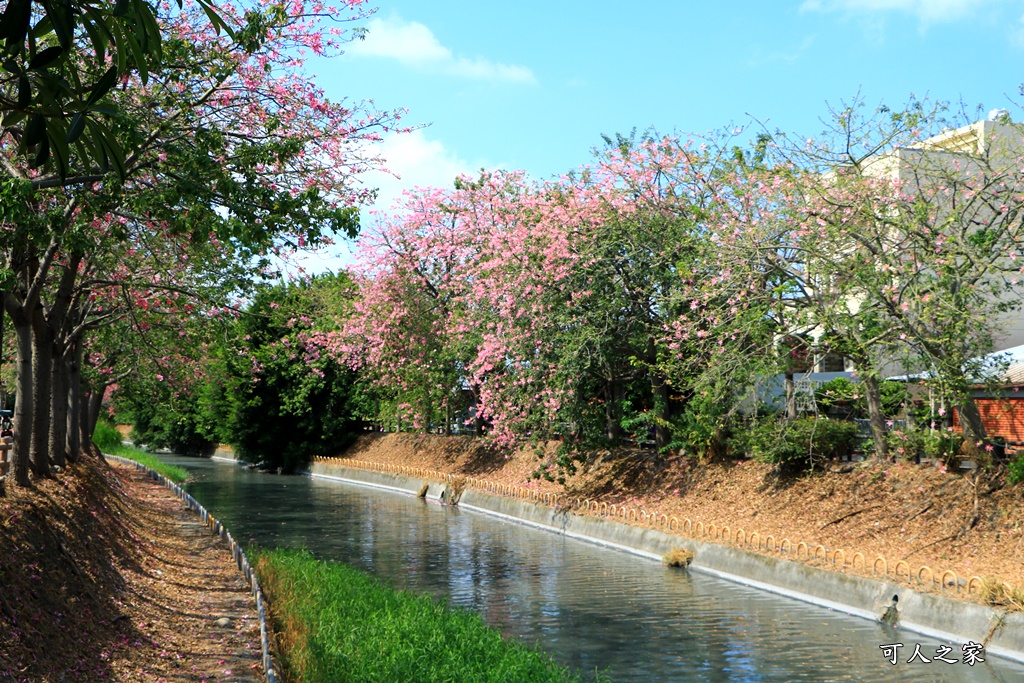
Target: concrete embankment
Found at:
956, 621
224, 452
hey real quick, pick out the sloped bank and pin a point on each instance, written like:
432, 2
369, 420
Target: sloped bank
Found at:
1001, 632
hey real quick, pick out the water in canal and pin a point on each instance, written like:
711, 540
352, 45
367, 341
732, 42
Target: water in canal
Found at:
590, 607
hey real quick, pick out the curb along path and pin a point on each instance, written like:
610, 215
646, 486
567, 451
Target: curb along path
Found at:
775, 565
237, 553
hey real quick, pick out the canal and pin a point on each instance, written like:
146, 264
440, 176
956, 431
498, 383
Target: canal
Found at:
590, 607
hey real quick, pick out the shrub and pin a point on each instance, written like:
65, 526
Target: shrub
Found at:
911, 443
842, 395
795, 445
1016, 468
106, 437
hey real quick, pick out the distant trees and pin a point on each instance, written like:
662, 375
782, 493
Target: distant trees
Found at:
254, 381
649, 293
648, 296
289, 401
557, 307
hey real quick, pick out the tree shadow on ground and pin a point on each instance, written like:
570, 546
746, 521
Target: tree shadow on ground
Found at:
58, 618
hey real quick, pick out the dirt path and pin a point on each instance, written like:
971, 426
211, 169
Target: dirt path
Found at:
107, 576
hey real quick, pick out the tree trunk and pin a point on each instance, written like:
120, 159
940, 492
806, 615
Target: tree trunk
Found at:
42, 352
23, 398
970, 422
57, 437
95, 402
790, 396
662, 412
74, 402
56, 333
83, 420
873, 393
613, 423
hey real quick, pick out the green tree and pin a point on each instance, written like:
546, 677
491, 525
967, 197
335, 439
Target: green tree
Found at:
290, 401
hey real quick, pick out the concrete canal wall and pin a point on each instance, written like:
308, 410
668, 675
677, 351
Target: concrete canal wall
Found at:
223, 451
955, 621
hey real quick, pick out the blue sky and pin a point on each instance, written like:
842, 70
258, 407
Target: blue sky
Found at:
532, 85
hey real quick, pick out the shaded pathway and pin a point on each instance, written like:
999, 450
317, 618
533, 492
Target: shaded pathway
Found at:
182, 588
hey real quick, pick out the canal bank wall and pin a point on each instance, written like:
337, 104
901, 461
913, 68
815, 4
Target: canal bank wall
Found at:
224, 453
954, 621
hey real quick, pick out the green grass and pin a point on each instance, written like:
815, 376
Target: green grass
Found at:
172, 472
108, 440
335, 623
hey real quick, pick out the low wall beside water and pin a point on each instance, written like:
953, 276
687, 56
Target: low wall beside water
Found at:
223, 451
957, 621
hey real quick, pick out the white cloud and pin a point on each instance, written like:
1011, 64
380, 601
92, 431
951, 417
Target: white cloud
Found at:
418, 162
414, 45
928, 11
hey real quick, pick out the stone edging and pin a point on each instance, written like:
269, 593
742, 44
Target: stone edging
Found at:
236, 552
1001, 632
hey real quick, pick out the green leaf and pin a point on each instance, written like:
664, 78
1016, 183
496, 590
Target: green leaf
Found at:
94, 142
148, 31
56, 135
122, 50
102, 86
108, 109
83, 152
139, 57
24, 92
43, 155
14, 23
13, 118
215, 19
63, 19
35, 131
115, 153
46, 57
121, 7
42, 27
75, 128
98, 40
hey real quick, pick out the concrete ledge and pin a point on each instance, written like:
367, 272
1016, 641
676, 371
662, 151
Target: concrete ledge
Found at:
224, 453
398, 483
942, 618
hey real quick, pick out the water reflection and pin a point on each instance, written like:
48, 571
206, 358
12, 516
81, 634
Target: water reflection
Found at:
591, 607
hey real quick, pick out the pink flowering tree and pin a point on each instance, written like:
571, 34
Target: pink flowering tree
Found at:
883, 247
553, 304
233, 149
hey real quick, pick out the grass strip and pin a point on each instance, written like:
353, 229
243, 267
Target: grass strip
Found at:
108, 440
172, 472
335, 623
